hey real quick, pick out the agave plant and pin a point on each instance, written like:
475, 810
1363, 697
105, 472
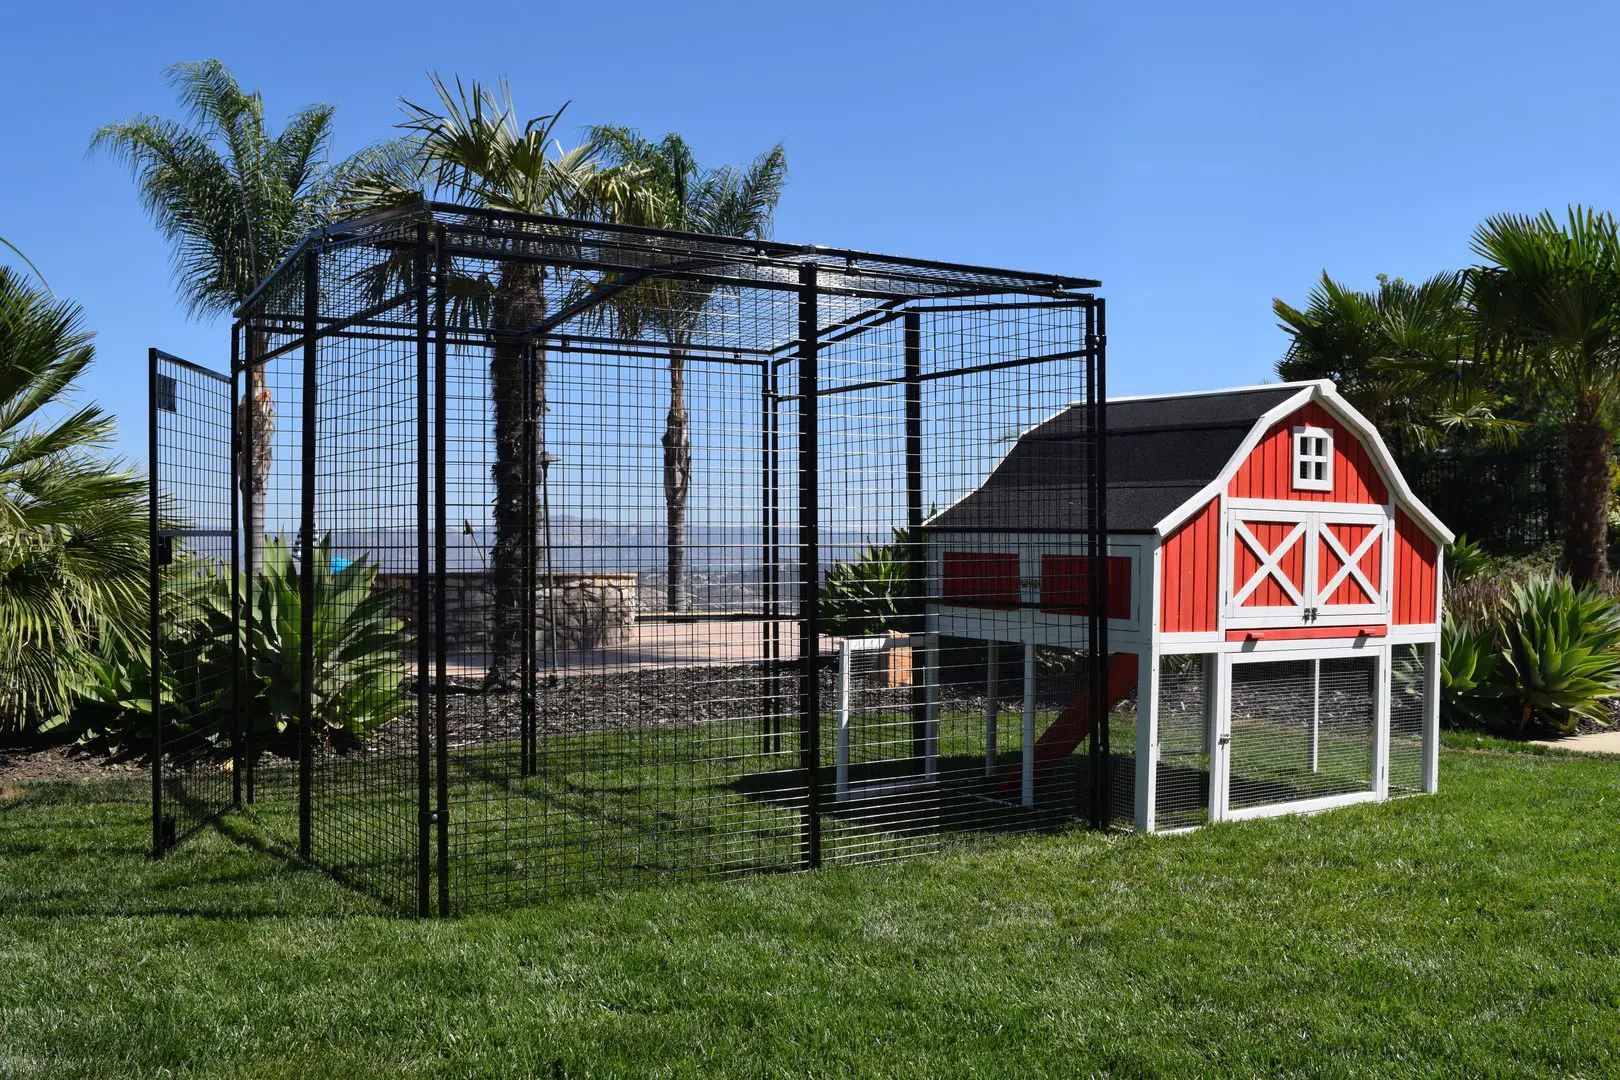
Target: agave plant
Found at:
1465, 560
359, 645
871, 593
1562, 644
1471, 685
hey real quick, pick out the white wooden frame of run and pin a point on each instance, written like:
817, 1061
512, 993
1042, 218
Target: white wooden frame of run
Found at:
848, 649
1219, 736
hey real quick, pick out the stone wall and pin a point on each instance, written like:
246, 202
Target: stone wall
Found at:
590, 611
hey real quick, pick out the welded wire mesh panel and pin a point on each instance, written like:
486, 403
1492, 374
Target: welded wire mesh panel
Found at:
367, 567
1301, 729
194, 650
1182, 781
917, 406
619, 646
1407, 693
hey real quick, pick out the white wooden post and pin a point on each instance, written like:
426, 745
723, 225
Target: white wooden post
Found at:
992, 705
1028, 795
1383, 658
1147, 737
1316, 714
931, 707
845, 662
1431, 717
1220, 757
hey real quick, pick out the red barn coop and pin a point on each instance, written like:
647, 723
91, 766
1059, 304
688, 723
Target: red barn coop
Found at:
1272, 590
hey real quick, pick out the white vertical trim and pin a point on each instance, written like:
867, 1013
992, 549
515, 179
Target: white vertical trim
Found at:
1027, 795
1431, 717
1383, 663
1220, 751
992, 705
1147, 737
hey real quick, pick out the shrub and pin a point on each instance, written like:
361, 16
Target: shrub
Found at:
873, 592
1465, 560
72, 526
1543, 655
1470, 686
360, 672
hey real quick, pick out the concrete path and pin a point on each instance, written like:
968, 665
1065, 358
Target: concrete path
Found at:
1596, 742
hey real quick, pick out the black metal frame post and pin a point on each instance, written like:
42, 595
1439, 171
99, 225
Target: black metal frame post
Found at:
154, 637
809, 570
441, 549
306, 576
242, 481
915, 552
239, 727
1097, 618
531, 520
770, 534
424, 748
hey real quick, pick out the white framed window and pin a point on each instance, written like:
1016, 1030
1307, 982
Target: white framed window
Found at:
1313, 459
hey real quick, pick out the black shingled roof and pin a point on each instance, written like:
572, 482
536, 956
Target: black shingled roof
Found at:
1161, 452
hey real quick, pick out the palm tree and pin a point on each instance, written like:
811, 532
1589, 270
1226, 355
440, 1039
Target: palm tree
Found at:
73, 541
1548, 302
233, 198
688, 198
471, 149
1404, 355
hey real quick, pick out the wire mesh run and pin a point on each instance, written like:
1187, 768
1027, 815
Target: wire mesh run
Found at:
1186, 723
1301, 729
193, 659
1408, 695
599, 555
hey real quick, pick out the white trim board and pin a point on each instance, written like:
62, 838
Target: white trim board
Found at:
1328, 396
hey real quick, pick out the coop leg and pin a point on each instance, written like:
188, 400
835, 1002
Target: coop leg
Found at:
992, 706
1028, 795
844, 662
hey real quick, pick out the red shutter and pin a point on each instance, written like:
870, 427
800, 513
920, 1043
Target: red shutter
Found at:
1066, 585
978, 579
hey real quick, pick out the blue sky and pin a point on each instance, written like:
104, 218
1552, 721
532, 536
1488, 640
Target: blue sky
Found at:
1199, 161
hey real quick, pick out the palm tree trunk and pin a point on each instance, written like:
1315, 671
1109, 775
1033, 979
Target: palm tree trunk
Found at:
1586, 480
677, 478
256, 414
519, 406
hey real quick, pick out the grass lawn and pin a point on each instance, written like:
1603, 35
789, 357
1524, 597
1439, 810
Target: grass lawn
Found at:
1474, 932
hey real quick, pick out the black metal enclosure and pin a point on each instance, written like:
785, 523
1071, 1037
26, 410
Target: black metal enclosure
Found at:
559, 555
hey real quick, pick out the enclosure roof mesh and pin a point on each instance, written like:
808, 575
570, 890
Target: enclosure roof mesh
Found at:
500, 236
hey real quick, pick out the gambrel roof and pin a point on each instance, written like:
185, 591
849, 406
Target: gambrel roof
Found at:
1167, 456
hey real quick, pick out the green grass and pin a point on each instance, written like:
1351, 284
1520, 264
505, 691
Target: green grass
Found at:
1475, 932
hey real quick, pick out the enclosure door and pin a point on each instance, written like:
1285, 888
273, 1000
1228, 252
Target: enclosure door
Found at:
192, 598
1302, 731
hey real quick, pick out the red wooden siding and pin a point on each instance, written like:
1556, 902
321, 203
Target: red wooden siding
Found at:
1268, 471
979, 579
1350, 537
1416, 573
1190, 564
1066, 585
